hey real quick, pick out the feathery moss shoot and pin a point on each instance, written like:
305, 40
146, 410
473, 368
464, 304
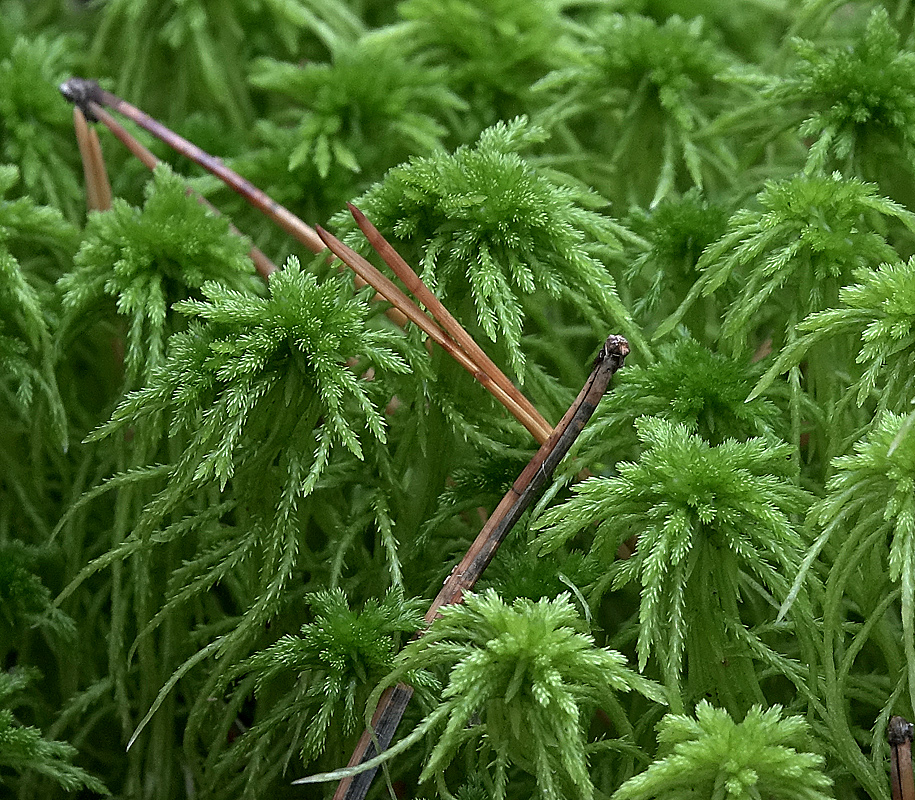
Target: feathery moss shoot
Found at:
672, 236
331, 667
248, 362
688, 384
793, 254
146, 260
493, 51
863, 99
638, 95
34, 127
870, 501
711, 523
877, 315
23, 748
198, 57
766, 755
339, 123
486, 227
28, 383
362, 107
522, 680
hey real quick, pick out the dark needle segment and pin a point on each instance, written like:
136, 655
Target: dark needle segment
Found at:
899, 734
464, 576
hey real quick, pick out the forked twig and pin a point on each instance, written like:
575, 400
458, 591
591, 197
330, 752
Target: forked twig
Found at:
354, 784
262, 263
91, 98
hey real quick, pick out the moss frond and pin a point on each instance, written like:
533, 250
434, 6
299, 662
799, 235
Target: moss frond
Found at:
256, 354
24, 749
860, 95
28, 385
531, 676
147, 259
870, 499
673, 235
35, 128
877, 315
688, 385
362, 109
766, 755
638, 93
708, 519
793, 253
488, 228
25, 601
191, 56
329, 669
493, 50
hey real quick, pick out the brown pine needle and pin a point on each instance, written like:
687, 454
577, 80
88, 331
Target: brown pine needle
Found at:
98, 188
444, 318
262, 262
394, 295
91, 98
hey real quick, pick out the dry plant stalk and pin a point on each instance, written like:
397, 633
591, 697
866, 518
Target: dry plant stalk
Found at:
393, 702
92, 100
899, 733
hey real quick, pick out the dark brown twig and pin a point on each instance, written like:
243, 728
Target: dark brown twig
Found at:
464, 576
899, 734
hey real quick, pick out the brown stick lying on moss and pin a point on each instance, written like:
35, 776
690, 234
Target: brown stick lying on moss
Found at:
463, 577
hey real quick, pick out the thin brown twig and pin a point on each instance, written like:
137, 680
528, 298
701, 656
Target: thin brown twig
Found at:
98, 188
393, 702
91, 98
899, 734
264, 265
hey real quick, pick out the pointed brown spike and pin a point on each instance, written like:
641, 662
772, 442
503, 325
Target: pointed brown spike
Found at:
394, 295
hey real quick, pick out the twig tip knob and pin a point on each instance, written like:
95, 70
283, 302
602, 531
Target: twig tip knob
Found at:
81, 92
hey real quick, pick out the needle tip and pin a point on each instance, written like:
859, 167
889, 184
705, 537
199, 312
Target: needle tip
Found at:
331, 242
357, 214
